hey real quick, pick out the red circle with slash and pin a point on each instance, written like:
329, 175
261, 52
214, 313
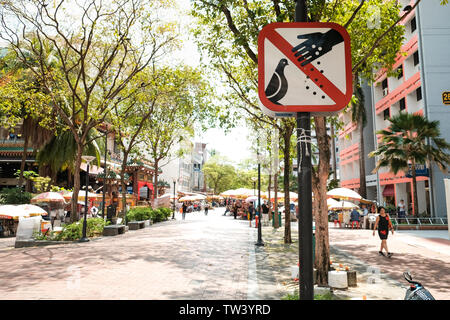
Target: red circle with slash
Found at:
341, 99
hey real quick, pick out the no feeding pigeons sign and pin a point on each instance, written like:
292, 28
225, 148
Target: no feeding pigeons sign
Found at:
304, 67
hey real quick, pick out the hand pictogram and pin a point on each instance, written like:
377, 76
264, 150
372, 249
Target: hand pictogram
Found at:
316, 45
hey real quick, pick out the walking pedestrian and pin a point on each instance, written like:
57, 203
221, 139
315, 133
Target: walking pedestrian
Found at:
184, 208
251, 211
206, 209
227, 209
383, 223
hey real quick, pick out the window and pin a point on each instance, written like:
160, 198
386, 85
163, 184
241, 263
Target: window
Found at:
386, 114
402, 104
384, 87
400, 70
419, 93
413, 24
416, 58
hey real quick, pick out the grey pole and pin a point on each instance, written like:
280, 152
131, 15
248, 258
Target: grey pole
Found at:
174, 199
306, 283
260, 242
104, 180
84, 237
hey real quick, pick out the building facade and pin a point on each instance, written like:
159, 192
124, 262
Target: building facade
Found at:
424, 74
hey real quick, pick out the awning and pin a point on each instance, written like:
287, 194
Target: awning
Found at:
92, 168
388, 190
143, 184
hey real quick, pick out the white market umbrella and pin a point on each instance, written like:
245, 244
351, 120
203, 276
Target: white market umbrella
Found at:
343, 194
81, 195
342, 205
32, 210
190, 198
48, 197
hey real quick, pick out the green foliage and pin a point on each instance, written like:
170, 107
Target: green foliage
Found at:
74, 231
220, 175
405, 140
71, 232
146, 213
326, 296
14, 196
332, 184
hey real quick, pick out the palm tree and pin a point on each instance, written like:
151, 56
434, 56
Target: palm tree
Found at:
404, 144
359, 117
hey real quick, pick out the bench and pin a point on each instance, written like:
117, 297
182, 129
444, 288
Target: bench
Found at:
136, 225
113, 230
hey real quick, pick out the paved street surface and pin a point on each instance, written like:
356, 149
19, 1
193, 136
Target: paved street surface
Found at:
213, 257
426, 254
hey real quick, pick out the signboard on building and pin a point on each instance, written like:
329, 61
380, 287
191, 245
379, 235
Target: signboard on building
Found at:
421, 171
304, 67
446, 97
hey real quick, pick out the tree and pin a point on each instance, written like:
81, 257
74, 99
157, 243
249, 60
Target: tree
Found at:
227, 31
359, 117
100, 46
131, 117
404, 144
219, 174
173, 117
23, 99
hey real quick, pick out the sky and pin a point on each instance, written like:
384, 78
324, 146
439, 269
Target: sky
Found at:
234, 145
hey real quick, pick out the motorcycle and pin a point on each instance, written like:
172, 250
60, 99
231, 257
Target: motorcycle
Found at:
416, 291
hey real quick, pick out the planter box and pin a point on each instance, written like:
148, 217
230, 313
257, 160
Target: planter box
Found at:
351, 279
136, 225
38, 243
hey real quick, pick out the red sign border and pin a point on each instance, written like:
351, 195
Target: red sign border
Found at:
304, 108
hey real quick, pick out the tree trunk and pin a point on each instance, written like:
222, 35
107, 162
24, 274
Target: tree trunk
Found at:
268, 192
124, 187
155, 194
322, 258
287, 213
333, 152
362, 163
24, 158
74, 215
414, 182
275, 202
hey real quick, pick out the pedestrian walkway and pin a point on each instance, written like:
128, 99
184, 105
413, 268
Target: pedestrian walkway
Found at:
202, 257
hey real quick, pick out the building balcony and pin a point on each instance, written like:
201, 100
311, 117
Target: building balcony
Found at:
400, 92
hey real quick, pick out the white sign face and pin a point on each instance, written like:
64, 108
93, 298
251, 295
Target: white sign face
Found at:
304, 67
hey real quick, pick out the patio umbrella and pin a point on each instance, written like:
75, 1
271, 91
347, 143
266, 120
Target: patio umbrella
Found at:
32, 210
341, 205
254, 199
15, 212
331, 202
190, 198
343, 194
48, 197
81, 195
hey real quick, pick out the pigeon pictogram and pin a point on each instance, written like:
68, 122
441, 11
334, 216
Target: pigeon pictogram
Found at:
278, 85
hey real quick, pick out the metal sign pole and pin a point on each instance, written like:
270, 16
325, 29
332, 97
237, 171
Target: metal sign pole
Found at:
306, 283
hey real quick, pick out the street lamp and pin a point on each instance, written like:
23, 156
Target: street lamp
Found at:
174, 197
88, 159
259, 242
104, 172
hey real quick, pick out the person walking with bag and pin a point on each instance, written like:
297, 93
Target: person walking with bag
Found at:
384, 224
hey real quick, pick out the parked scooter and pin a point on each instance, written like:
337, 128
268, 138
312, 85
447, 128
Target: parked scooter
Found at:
416, 291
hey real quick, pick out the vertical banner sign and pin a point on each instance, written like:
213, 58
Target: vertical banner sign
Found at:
304, 67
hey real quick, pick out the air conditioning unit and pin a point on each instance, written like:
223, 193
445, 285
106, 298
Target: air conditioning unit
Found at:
385, 92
